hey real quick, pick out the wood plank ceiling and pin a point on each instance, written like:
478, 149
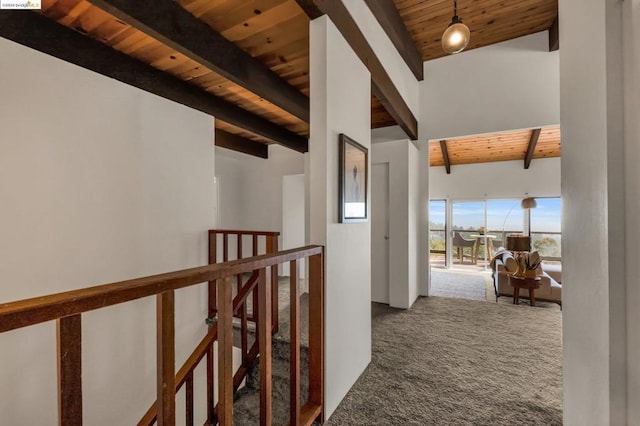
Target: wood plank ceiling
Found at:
276, 33
487, 148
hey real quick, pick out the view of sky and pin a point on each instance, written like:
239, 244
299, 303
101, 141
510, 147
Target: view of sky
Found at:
501, 214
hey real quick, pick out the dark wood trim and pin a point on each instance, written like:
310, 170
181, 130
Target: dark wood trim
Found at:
47, 36
225, 350
238, 143
310, 8
171, 24
69, 345
533, 140
264, 337
381, 84
165, 358
27, 312
389, 18
316, 335
445, 156
294, 343
554, 36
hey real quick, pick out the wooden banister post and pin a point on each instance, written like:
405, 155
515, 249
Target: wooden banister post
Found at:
225, 247
225, 351
189, 400
254, 313
211, 415
165, 341
272, 247
294, 348
264, 336
316, 331
213, 258
69, 342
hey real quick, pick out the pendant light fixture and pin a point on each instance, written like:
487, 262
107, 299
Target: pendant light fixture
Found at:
456, 36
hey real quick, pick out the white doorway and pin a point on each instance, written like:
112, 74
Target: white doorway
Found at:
293, 229
380, 233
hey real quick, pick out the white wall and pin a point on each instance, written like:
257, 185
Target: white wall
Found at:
505, 86
402, 157
595, 369
505, 179
251, 188
396, 67
99, 182
293, 218
340, 103
631, 46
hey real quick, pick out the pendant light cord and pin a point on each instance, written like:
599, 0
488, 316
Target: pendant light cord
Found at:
455, 7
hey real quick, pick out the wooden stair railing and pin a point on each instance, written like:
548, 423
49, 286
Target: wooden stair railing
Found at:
67, 309
257, 239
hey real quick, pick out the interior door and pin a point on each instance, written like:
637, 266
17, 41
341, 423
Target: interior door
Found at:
380, 233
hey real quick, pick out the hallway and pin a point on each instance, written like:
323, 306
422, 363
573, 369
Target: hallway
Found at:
452, 361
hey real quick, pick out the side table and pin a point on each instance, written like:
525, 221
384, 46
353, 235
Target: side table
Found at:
531, 284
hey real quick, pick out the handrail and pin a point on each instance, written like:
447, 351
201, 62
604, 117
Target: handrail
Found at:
66, 308
237, 231
33, 311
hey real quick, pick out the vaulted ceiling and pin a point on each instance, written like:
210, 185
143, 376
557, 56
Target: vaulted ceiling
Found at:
245, 61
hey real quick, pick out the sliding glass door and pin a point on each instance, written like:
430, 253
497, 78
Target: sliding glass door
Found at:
468, 221
437, 232
467, 233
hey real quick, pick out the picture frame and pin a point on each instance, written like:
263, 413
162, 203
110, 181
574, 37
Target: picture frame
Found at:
353, 203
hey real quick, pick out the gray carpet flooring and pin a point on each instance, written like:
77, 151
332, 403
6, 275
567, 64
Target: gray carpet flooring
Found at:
470, 286
458, 362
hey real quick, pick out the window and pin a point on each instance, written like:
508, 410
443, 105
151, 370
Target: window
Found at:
546, 220
438, 233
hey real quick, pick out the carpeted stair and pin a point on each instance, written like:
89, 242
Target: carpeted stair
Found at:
246, 404
247, 400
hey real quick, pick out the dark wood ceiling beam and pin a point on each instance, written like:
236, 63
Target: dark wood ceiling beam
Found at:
240, 144
382, 85
554, 36
170, 23
533, 140
42, 34
445, 156
310, 8
387, 14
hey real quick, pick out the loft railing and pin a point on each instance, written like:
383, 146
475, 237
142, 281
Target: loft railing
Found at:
67, 309
259, 242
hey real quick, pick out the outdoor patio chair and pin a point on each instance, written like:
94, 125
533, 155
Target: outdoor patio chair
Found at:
460, 243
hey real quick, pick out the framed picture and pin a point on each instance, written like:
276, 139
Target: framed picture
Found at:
354, 173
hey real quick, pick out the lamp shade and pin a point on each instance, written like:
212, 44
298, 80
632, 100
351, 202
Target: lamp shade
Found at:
529, 203
518, 242
456, 37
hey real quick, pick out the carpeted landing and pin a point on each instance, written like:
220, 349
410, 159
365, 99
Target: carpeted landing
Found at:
459, 285
459, 362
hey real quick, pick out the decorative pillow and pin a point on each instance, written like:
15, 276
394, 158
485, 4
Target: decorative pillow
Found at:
534, 256
510, 263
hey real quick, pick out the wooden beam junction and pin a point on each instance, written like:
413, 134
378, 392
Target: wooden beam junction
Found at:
554, 36
445, 156
240, 144
171, 24
42, 34
389, 18
533, 140
382, 86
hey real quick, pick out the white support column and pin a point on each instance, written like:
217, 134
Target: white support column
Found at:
593, 182
340, 103
631, 58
